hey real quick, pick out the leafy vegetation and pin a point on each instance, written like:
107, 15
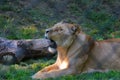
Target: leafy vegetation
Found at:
25, 19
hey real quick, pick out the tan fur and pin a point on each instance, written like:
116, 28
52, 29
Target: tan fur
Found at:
79, 53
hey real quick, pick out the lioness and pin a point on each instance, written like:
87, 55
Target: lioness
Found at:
79, 53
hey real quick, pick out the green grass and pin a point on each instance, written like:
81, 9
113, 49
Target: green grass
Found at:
26, 69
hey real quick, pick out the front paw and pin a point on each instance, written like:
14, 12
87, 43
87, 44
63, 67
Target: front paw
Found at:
39, 76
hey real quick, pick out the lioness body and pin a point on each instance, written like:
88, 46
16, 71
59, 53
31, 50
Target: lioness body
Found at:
78, 52
105, 55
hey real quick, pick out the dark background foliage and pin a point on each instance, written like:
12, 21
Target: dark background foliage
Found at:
23, 19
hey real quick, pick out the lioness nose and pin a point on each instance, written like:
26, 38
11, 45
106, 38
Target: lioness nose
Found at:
47, 31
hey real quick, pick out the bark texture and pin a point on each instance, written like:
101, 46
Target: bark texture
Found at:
13, 51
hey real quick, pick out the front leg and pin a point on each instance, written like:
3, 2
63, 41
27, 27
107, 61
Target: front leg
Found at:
49, 68
56, 73
46, 69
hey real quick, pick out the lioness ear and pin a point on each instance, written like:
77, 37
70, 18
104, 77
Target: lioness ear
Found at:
75, 29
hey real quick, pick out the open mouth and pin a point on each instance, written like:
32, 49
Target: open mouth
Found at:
53, 44
52, 47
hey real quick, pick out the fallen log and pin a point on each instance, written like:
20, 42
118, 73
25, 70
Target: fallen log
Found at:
13, 51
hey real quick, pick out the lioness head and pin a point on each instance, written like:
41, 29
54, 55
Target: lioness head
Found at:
62, 33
